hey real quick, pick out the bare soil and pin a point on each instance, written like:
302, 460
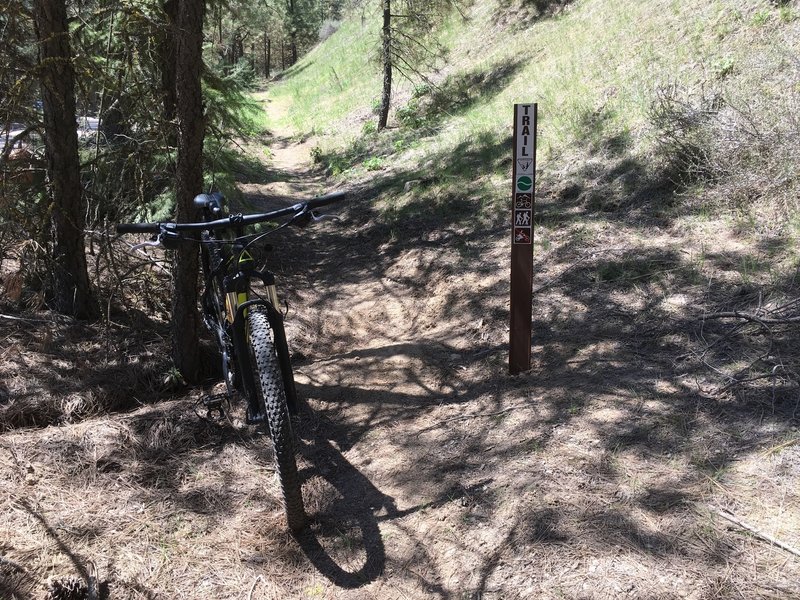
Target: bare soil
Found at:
429, 472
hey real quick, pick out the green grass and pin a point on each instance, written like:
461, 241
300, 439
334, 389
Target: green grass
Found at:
332, 81
594, 70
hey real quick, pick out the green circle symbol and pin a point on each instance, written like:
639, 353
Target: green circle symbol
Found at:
524, 183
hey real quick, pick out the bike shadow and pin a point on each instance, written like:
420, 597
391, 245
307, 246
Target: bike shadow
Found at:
343, 539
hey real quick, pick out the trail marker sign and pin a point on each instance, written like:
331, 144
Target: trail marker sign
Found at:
522, 210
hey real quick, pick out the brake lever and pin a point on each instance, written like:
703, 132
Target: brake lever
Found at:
304, 218
150, 244
316, 217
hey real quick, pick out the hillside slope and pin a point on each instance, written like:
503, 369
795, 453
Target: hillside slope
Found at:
618, 83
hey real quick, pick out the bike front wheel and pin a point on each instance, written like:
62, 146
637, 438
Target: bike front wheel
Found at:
272, 398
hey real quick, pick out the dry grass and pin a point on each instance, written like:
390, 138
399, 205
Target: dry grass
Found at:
57, 370
428, 471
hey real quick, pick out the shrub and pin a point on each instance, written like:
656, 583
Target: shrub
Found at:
411, 115
747, 146
373, 163
684, 138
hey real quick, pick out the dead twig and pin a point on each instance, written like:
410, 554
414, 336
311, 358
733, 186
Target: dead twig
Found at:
726, 387
728, 516
24, 320
14, 565
494, 414
749, 317
253, 587
780, 447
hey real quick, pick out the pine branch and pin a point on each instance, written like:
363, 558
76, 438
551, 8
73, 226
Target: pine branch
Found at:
749, 317
729, 516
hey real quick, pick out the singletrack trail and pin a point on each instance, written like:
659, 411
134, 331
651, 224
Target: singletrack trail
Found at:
385, 365
289, 163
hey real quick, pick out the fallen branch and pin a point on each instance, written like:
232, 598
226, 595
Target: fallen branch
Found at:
252, 589
727, 515
748, 317
24, 320
10, 563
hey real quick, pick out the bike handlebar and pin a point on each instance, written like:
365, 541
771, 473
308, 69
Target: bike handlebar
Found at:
237, 220
138, 228
321, 201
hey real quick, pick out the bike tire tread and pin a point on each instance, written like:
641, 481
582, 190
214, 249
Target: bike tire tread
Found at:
273, 399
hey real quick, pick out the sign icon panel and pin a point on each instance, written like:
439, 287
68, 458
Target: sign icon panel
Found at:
522, 235
522, 218
525, 166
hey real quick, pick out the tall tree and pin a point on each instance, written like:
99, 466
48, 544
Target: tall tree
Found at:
189, 183
407, 46
386, 33
167, 59
71, 291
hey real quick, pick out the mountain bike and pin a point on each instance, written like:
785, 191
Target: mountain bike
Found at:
241, 310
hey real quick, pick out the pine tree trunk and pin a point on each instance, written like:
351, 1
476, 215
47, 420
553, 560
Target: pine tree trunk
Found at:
71, 290
293, 32
167, 49
267, 52
189, 183
386, 97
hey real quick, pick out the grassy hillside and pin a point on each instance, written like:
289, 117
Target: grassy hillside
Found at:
651, 93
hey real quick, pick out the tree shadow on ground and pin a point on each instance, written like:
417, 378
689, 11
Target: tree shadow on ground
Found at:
618, 330
423, 116
83, 567
523, 13
458, 93
60, 370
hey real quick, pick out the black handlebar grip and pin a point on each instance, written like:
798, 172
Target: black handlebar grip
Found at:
325, 200
138, 228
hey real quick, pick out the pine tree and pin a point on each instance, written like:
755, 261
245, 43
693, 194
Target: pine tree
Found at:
71, 291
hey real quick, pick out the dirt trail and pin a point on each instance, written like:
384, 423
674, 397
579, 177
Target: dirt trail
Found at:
387, 373
289, 162
427, 470
432, 474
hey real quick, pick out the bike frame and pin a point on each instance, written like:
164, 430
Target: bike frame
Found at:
227, 296
247, 323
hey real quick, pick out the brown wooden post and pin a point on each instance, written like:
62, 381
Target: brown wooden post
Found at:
522, 206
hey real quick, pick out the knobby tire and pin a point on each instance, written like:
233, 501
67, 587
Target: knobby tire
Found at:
272, 397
